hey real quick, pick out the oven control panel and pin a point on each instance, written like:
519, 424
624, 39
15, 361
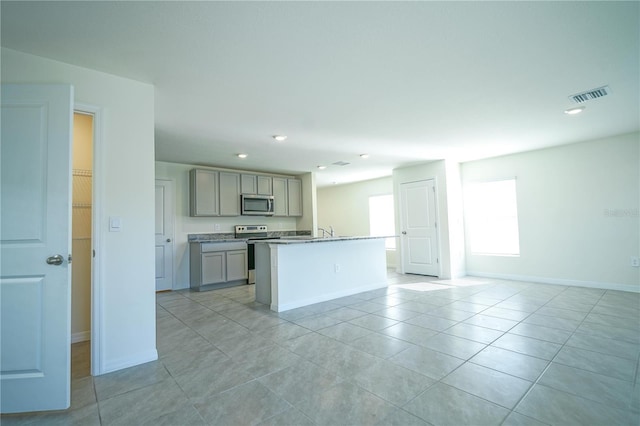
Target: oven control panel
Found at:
250, 229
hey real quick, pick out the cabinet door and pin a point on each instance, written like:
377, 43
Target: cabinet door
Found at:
203, 192
265, 185
249, 184
236, 265
294, 192
280, 198
229, 194
214, 267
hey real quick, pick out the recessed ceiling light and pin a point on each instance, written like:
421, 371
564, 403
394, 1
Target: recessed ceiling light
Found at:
322, 167
279, 138
242, 155
364, 156
574, 111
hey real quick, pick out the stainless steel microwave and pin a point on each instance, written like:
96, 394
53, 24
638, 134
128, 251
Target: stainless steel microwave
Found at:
256, 205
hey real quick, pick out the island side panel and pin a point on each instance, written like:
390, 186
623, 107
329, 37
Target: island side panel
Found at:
263, 273
317, 272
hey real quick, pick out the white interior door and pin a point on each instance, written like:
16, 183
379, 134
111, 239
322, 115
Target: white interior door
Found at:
164, 234
419, 228
35, 242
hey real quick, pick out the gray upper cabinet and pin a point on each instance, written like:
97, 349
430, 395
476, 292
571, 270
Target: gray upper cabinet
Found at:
217, 193
249, 184
294, 195
203, 193
265, 185
257, 184
229, 194
280, 197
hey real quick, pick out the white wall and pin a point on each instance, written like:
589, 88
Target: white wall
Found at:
577, 211
125, 168
346, 208
185, 224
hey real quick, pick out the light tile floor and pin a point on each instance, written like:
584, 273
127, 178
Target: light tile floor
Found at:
423, 351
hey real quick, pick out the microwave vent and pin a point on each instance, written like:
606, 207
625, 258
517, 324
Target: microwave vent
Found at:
583, 97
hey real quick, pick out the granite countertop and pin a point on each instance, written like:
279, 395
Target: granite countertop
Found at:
309, 239
225, 237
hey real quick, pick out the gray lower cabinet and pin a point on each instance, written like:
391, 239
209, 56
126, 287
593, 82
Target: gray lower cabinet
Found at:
215, 265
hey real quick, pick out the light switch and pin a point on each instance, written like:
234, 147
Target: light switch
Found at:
115, 224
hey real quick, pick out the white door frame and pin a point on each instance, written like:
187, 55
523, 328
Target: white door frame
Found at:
97, 296
172, 188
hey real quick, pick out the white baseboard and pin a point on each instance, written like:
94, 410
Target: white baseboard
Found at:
82, 336
558, 281
119, 364
326, 297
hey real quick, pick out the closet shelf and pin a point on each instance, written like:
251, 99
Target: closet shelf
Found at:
81, 172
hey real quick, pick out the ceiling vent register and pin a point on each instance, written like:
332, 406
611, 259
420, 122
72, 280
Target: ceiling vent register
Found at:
340, 163
583, 97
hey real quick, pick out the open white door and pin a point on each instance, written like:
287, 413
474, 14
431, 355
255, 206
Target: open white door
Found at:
35, 281
419, 228
164, 234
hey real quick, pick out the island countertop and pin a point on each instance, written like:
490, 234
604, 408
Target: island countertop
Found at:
306, 239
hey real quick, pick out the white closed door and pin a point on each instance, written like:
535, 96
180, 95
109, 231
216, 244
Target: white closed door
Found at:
35, 284
164, 234
419, 235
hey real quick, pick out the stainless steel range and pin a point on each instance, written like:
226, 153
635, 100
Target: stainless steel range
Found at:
249, 233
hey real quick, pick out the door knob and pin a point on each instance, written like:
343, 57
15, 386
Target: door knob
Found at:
404, 232
55, 260
168, 240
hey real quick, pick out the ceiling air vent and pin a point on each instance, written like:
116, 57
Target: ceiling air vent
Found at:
340, 163
590, 94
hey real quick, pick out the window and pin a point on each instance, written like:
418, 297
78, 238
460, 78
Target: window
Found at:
492, 218
381, 219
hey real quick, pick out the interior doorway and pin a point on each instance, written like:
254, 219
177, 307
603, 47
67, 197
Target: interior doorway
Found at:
81, 243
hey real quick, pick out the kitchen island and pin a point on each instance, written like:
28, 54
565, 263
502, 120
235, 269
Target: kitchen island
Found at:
299, 271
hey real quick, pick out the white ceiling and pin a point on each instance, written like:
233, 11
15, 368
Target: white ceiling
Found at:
405, 82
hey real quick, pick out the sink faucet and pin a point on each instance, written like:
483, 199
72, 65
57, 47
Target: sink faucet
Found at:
325, 232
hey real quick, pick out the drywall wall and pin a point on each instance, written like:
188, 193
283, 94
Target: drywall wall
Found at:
346, 208
185, 224
578, 213
124, 171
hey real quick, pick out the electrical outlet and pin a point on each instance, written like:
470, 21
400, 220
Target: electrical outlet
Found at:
336, 267
635, 261
216, 227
